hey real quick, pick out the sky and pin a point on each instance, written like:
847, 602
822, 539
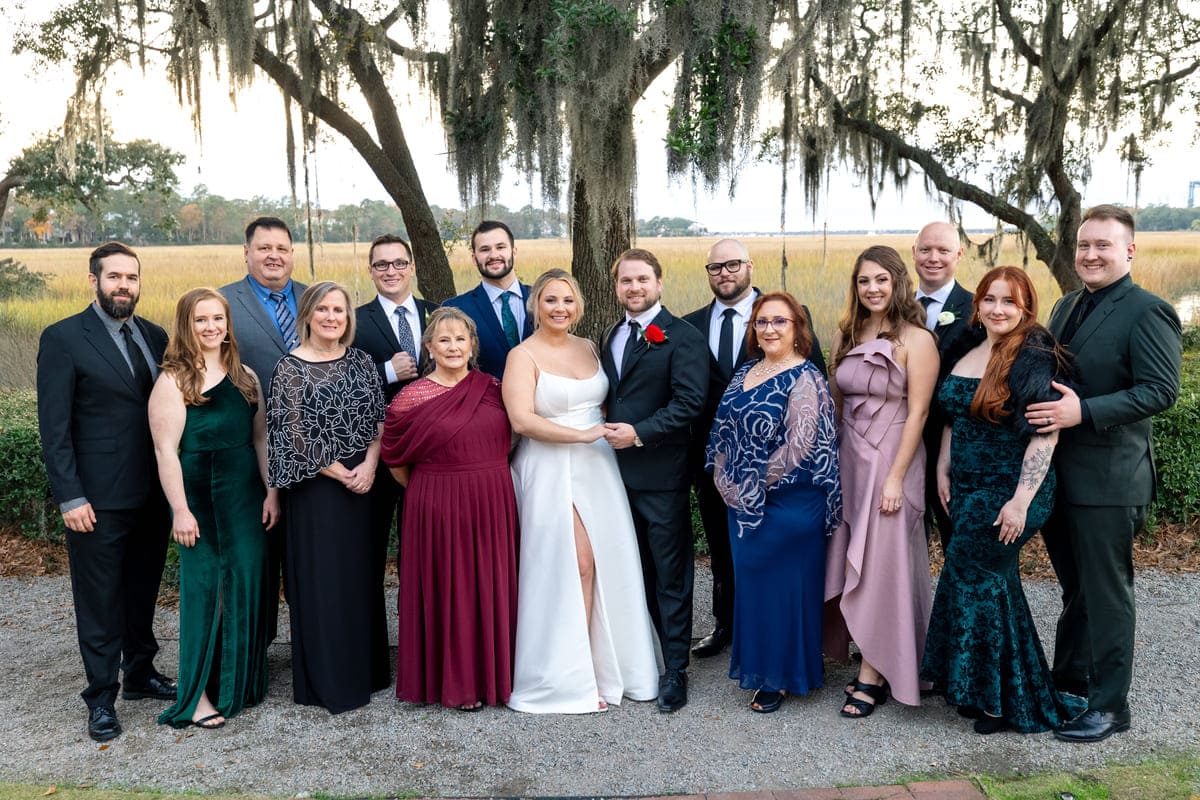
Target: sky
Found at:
240, 153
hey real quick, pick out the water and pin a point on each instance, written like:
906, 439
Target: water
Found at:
1188, 307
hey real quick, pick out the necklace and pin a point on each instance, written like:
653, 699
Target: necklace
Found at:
766, 368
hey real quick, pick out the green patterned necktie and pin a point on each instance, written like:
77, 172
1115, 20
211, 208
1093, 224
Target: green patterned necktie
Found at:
509, 320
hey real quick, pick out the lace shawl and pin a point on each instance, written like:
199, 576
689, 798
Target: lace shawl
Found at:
779, 433
320, 412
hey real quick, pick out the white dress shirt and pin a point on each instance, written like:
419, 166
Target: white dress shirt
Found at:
939, 302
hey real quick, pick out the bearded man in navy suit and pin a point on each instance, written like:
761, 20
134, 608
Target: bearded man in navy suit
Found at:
497, 304
94, 374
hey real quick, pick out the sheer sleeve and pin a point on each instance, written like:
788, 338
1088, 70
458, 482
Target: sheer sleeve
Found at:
286, 446
773, 436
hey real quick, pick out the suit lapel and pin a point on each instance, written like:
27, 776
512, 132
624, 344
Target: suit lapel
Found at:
606, 357
487, 312
1058, 321
663, 321
528, 326
1096, 319
245, 295
98, 337
381, 322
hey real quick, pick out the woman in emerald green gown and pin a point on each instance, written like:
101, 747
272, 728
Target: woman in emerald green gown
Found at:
206, 415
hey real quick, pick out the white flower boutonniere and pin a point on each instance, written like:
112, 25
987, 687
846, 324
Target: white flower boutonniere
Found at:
946, 317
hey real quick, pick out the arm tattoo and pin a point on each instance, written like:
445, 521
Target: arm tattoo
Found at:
1035, 466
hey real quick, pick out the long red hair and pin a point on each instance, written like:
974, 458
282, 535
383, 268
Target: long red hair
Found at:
993, 391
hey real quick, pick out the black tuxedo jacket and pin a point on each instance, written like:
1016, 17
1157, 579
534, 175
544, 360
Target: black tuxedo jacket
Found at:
701, 319
92, 417
259, 343
493, 345
376, 334
661, 392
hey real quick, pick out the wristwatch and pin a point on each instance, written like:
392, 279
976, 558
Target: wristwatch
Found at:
637, 441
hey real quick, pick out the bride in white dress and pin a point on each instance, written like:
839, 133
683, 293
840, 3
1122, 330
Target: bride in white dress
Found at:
584, 635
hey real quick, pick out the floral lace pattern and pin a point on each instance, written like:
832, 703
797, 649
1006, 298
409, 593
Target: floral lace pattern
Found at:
319, 412
776, 434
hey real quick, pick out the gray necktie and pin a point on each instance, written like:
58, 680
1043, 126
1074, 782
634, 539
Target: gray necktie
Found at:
404, 333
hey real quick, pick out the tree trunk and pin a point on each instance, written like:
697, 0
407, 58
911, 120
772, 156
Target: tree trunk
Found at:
592, 254
7, 184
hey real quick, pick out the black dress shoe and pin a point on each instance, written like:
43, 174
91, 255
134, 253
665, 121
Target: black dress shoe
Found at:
103, 724
1093, 726
672, 691
157, 687
712, 644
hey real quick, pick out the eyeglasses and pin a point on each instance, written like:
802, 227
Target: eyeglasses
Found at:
732, 267
778, 323
399, 265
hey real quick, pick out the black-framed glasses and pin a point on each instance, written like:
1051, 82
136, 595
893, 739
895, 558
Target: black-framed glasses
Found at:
732, 267
778, 323
399, 265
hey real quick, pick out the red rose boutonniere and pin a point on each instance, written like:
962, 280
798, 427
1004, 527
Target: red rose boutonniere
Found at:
653, 335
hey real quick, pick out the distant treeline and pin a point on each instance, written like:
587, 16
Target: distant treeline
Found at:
203, 218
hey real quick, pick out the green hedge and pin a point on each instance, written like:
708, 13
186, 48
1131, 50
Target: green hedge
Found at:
25, 502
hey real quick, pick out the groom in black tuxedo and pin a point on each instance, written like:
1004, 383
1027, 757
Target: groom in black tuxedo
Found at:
657, 368
94, 374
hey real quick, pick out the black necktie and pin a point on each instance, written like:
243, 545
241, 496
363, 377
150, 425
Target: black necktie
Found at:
629, 344
925, 301
1082, 309
137, 361
725, 343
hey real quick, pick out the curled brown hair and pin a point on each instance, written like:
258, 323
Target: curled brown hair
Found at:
993, 391
902, 308
185, 359
802, 343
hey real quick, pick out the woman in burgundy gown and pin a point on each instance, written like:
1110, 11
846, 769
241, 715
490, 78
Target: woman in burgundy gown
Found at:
447, 439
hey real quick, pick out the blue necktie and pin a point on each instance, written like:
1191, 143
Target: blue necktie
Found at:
285, 320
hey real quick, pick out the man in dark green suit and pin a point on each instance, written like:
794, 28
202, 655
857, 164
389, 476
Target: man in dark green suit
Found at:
1128, 345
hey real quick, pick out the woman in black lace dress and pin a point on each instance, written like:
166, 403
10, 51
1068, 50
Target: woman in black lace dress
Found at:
996, 480
324, 417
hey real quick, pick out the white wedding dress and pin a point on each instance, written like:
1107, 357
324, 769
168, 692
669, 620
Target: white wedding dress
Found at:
561, 667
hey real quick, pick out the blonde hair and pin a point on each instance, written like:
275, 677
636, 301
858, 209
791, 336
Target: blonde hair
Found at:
308, 305
539, 286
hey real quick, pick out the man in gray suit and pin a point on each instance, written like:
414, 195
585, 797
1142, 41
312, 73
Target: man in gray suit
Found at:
1128, 346
263, 317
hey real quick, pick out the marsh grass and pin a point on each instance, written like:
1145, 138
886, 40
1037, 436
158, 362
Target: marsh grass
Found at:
818, 273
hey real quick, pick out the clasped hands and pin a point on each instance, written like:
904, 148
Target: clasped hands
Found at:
619, 435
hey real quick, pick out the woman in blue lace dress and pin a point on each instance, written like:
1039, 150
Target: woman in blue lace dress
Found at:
996, 481
773, 455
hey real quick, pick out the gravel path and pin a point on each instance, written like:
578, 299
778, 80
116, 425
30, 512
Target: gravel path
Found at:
714, 744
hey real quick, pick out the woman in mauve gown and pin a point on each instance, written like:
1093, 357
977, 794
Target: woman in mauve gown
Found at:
883, 369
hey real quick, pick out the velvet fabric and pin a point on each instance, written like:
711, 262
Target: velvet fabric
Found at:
222, 578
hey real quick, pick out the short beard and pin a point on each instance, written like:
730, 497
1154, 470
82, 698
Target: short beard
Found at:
508, 262
110, 307
738, 288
